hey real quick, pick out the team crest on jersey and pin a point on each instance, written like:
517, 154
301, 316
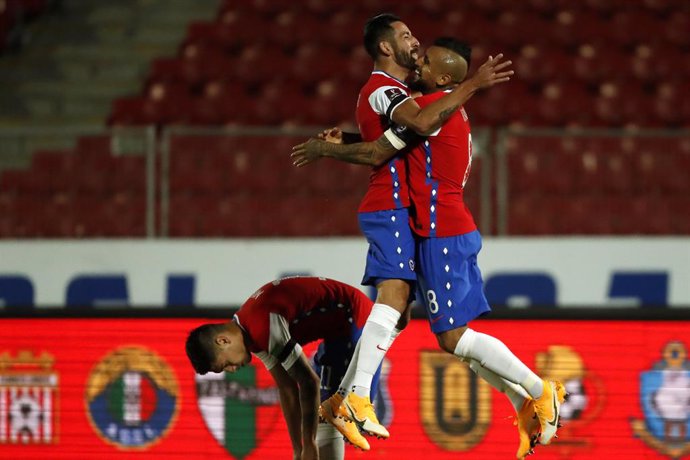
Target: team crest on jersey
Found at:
586, 396
132, 398
237, 412
28, 399
394, 93
665, 402
455, 402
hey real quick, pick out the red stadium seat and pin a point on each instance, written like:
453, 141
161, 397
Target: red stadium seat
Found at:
571, 27
539, 64
523, 220
620, 103
564, 103
314, 62
676, 28
597, 62
629, 26
536, 165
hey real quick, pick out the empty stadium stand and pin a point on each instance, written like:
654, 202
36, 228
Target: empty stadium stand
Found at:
604, 64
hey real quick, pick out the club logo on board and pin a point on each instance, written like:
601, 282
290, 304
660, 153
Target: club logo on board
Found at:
586, 396
455, 402
132, 398
665, 402
237, 412
28, 398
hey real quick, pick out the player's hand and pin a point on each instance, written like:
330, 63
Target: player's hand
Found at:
333, 135
492, 72
307, 152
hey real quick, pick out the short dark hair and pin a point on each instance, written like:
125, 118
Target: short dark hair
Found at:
458, 47
200, 347
377, 29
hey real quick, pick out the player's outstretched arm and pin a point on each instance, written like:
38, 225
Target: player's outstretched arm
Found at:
363, 153
308, 384
427, 120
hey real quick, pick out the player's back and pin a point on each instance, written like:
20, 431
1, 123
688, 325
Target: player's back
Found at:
438, 169
310, 308
377, 100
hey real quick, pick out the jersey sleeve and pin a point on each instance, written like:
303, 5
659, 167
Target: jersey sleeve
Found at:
269, 361
400, 136
281, 345
386, 99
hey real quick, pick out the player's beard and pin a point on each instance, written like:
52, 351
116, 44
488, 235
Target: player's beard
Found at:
415, 83
404, 59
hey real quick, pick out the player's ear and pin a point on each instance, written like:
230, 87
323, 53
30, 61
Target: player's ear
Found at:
443, 79
222, 340
385, 48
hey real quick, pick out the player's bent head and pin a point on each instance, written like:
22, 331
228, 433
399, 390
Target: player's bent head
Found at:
378, 29
200, 347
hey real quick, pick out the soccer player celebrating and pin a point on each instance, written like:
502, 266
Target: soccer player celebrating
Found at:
448, 242
273, 324
383, 212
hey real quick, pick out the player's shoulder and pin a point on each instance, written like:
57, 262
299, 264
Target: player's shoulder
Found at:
380, 79
425, 99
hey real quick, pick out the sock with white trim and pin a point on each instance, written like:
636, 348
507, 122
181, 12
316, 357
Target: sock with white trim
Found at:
494, 355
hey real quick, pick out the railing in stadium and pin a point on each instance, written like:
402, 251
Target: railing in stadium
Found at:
200, 182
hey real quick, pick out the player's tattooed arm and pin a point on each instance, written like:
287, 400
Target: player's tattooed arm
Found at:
364, 153
428, 119
338, 136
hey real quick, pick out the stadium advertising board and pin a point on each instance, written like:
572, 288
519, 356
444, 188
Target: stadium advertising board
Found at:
121, 388
565, 272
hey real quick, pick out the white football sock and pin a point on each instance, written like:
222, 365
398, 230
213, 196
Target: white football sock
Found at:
330, 442
495, 356
373, 346
394, 335
515, 393
346, 383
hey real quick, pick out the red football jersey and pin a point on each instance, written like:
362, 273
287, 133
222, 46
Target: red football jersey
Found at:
286, 313
438, 168
378, 98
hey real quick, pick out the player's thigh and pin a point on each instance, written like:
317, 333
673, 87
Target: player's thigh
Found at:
450, 281
394, 293
391, 246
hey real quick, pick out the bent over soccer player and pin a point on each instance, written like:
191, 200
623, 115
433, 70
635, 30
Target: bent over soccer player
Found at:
447, 243
383, 212
273, 324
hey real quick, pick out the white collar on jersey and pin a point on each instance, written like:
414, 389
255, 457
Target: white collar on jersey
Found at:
381, 72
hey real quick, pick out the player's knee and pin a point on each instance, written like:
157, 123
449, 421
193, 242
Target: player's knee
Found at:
448, 341
404, 320
445, 344
394, 293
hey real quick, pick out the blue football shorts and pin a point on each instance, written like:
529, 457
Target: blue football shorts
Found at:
449, 280
331, 360
391, 246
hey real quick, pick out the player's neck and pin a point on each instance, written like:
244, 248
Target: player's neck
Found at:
392, 69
